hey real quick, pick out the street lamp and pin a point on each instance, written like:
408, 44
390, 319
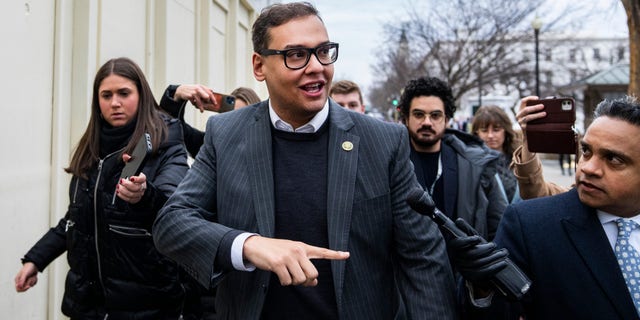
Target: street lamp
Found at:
537, 24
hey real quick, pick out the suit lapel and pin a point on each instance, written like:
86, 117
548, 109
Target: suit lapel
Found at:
586, 233
343, 163
260, 168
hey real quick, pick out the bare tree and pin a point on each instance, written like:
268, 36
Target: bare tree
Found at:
469, 44
394, 67
632, 7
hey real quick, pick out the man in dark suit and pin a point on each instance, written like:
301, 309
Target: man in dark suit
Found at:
295, 208
567, 244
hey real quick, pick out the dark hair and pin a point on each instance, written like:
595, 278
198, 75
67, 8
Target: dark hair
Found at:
494, 115
275, 15
427, 86
345, 87
246, 94
627, 109
148, 117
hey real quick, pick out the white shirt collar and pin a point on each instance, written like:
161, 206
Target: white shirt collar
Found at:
606, 217
310, 127
611, 229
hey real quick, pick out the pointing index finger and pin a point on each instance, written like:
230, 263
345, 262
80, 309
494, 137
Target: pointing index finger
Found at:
324, 253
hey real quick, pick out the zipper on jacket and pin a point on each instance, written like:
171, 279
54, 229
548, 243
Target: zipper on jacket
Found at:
113, 198
68, 225
95, 216
75, 192
95, 221
129, 231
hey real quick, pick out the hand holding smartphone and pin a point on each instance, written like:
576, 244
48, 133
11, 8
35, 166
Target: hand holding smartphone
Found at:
134, 166
224, 103
554, 133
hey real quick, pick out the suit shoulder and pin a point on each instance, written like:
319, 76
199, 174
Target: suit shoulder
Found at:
371, 122
235, 117
550, 208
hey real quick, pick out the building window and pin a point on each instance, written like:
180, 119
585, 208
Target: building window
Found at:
621, 51
547, 54
548, 77
596, 54
572, 55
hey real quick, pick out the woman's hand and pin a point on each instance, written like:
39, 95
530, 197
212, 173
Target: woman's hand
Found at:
27, 277
528, 113
131, 190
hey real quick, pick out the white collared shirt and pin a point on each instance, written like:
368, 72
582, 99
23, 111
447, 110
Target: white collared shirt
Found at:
611, 229
312, 126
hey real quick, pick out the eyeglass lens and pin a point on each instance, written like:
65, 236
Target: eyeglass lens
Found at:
298, 58
434, 116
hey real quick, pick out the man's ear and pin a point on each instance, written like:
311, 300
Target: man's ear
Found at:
258, 64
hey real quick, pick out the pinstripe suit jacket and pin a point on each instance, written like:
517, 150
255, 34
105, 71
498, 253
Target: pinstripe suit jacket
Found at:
398, 266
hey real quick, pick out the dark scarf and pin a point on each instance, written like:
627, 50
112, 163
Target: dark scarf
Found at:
114, 138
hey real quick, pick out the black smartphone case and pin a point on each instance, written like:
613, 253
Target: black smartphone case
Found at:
138, 157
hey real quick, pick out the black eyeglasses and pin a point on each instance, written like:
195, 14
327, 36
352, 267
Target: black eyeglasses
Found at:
298, 58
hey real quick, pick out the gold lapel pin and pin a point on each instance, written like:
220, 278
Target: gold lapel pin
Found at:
347, 146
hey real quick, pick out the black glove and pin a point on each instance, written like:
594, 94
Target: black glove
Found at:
477, 261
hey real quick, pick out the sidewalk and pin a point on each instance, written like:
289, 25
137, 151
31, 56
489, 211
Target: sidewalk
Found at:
552, 173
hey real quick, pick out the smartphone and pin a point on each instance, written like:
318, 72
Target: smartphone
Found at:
559, 110
556, 132
138, 157
224, 103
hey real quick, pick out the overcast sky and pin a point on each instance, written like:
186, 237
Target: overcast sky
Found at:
357, 26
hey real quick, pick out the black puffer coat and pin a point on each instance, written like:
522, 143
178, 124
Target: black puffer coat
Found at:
115, 269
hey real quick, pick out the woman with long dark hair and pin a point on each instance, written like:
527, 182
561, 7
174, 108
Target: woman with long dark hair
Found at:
115, 271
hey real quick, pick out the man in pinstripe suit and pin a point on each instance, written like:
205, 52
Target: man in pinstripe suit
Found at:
295, 208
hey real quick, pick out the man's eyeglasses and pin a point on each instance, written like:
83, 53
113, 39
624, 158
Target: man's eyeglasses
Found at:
434, 116
298, 58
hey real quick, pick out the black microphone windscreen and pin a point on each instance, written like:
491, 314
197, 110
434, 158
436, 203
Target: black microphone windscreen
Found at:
420, 201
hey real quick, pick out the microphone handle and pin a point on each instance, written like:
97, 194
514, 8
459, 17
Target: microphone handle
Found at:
511, 281
442, 220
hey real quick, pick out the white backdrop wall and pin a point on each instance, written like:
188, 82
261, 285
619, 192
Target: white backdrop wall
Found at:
51, 52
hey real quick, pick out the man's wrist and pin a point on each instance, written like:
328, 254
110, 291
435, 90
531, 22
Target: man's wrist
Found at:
237, 253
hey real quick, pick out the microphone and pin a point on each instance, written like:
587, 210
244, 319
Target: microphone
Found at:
510, 281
